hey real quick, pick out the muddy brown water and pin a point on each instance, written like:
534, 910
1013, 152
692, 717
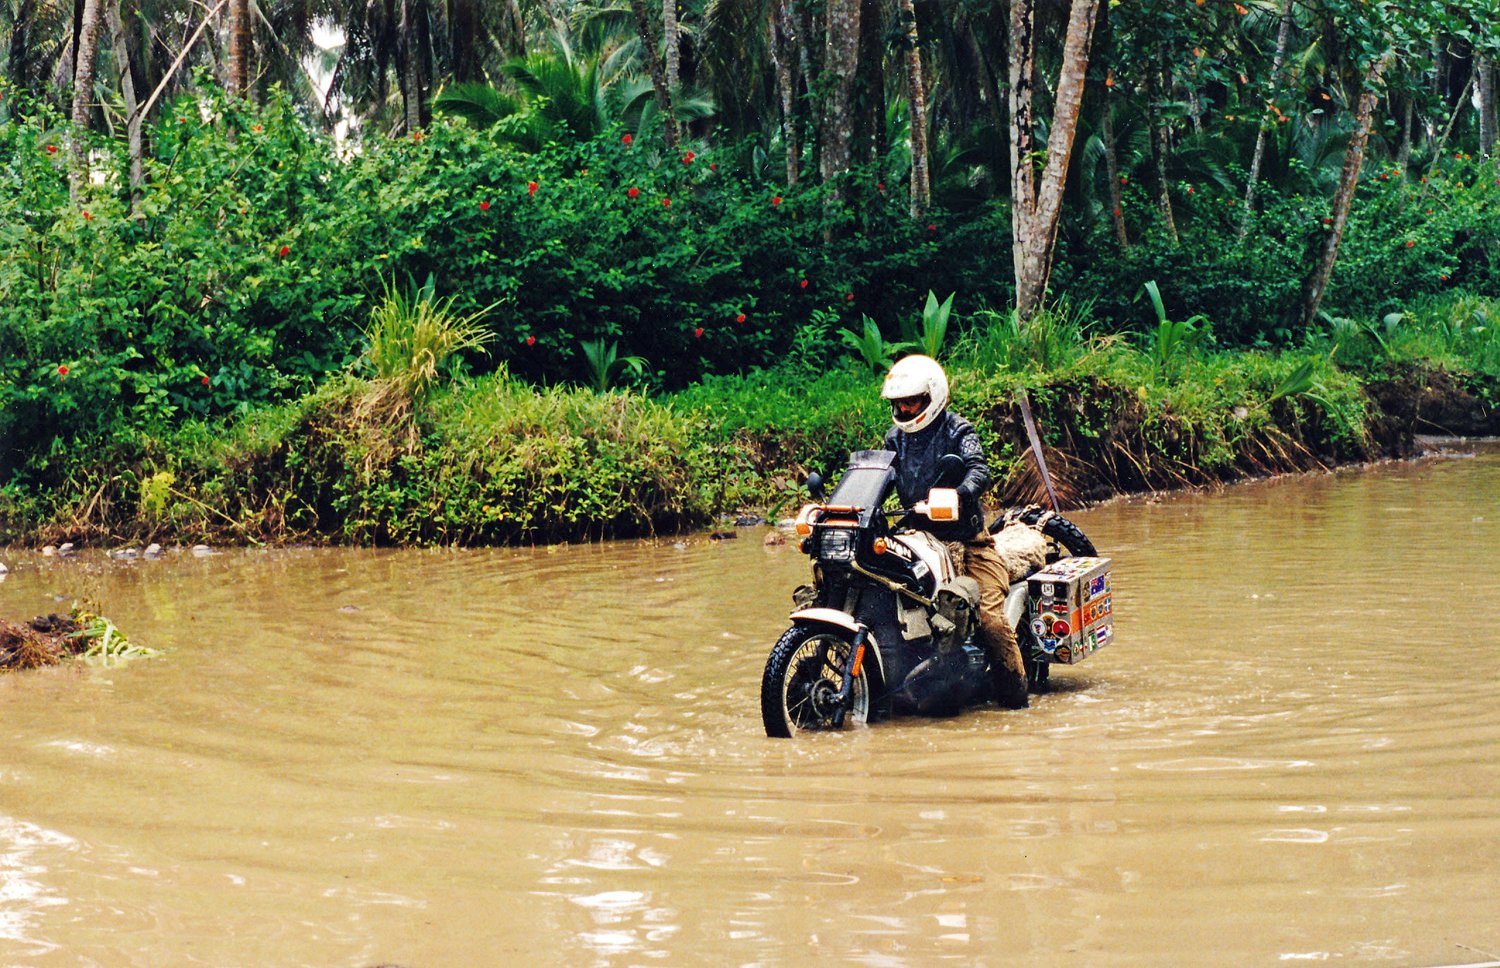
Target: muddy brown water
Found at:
554, 756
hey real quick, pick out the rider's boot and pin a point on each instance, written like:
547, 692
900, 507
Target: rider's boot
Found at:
1007, 672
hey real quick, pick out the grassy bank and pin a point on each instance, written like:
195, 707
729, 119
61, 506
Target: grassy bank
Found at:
492, 459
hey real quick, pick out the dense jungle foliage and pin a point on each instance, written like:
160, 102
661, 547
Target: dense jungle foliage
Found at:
512, 272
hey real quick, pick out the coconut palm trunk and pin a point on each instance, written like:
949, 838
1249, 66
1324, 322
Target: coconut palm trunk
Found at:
1112, 168
1161, 146
19, 62
411, 81
783, 45
125, 64
658, 75
239, 48
83, 90
1489, 117
1036, 203
916, 101
671, 45
1343, 199
840, 63
1283, 35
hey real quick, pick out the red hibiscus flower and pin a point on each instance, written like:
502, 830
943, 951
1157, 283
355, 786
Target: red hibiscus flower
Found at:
531, 340
849, 297
284, 251
1410, 243
632, 192
204, 381
687, 159
531, 187
51, 149
62, 371
802, 284
698, 333
740, 318
484, 206
713, 166
931, 227
626, 140
776, 201
88, 216
666, 203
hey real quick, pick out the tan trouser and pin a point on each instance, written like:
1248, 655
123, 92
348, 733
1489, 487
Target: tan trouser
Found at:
978, 559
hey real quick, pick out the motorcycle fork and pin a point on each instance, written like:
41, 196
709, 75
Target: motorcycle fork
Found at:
851, 671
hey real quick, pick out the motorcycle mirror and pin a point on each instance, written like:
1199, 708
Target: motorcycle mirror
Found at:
950, 471
815, 485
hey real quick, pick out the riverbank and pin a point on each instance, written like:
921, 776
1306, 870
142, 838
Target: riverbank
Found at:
491, 460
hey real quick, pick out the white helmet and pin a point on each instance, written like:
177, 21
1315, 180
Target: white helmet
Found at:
918, 390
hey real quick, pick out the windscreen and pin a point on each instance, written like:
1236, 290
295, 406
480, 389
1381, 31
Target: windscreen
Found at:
868, 479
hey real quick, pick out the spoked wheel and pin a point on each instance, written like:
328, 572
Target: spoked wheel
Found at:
803, 674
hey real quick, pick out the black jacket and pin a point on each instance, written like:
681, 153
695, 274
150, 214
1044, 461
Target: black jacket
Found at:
917, 457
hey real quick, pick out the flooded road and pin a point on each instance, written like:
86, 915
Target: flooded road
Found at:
554, 756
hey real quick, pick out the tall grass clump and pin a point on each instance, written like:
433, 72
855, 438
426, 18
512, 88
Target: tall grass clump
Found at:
411, 336
1050, 342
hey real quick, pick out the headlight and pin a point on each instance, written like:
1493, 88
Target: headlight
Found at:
836, 544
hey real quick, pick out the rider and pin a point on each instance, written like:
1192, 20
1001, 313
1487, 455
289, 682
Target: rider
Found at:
925, 430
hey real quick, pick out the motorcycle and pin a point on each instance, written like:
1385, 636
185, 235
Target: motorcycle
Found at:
888, 626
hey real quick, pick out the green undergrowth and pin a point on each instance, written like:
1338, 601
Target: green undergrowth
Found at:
491, 459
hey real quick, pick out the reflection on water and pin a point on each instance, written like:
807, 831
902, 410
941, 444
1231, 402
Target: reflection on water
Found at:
469, 757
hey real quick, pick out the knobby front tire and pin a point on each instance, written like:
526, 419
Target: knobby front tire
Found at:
803, 674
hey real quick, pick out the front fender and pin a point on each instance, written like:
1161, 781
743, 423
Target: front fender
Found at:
836, 618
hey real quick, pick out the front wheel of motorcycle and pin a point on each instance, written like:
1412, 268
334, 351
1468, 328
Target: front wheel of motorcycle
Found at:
799, 692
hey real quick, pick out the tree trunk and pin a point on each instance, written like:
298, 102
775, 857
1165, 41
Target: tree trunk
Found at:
916, 100
1441, 144
840, 62
424, 60
867, 99
1354, 156
1112, 166
125, 65
411, 85
1036, 207
658, 76
464, 34
1161, 145
988, 88
1283, 35
1403, 153
239, 48
1487, 110
810, 64
83, 90
672, 45
18, 66
783, 42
